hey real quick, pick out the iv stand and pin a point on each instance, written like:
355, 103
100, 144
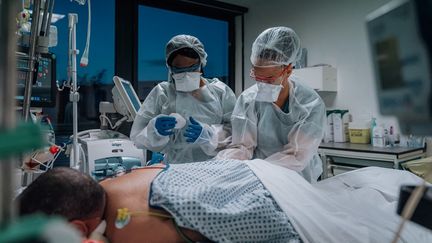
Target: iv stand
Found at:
39, 39
32, 59
74, 95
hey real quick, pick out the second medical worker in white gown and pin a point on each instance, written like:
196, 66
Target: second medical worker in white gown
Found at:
278, 119
206, 105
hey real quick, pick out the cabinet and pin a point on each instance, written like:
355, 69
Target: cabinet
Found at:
319, 78
340, 157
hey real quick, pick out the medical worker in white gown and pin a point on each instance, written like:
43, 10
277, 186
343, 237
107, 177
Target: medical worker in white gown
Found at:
205, 104
278, 119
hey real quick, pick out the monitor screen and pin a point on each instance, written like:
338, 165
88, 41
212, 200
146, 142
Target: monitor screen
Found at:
125, 98
389, 64
132, 95
400, 43
44, 87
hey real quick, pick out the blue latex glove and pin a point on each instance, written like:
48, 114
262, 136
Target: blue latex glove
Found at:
165, 124
156, 158
193, 131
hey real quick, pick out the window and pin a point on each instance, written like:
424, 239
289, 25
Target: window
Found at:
101, 59
153, 36
143, 27
95, 80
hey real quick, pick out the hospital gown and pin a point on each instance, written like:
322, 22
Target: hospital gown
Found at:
223, 200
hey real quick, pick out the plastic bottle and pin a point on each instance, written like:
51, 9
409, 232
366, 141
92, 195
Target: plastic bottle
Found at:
386, 137
373, 125
329, 132
378, 136
397, 140
392, 137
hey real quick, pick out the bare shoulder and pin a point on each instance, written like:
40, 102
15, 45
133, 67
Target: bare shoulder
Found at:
132, 191
129, 191
130, 180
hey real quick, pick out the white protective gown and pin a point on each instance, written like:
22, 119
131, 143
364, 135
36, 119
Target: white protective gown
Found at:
211, 106
287, 138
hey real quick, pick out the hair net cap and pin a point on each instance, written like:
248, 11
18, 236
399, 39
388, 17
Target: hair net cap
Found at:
276, 46
186, 41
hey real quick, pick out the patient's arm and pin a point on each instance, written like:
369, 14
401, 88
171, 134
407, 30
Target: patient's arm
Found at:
131, 191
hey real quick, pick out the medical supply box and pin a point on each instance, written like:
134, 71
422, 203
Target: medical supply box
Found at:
322, 78
359, 132
329, 130
341, 119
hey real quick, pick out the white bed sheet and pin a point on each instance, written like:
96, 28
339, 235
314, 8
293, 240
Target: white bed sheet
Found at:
358, 206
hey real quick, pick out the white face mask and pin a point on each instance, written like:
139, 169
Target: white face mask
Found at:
187, 81
268, 92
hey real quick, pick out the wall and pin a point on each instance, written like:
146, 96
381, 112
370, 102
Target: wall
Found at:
334, 33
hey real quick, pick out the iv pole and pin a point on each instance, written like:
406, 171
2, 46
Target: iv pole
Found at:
72, 82
39, 40
32, 59
74, 95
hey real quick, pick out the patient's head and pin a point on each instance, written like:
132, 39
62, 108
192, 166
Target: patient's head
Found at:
68, 193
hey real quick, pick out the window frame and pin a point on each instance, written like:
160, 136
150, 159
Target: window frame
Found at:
126, 32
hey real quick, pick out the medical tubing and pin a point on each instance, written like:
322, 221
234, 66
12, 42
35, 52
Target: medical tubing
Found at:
119, 122
84, 160
44, 18
160, 215
151, 167
32, 59
106, 118
182, 235
69, 69
48, 121
409, 208
48, 26
411, 205
84, 57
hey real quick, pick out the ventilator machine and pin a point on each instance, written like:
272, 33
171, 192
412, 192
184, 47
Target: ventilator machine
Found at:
107, 153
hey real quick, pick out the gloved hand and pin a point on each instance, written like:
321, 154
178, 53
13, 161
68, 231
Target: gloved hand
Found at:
156, 158
165, 124
193, 131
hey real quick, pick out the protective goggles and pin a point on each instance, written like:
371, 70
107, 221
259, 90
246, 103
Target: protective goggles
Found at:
259, 78
192, 68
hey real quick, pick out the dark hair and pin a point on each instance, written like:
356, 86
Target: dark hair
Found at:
64, 192
187, 52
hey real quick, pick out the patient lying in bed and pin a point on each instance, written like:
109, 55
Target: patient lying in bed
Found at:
228, 201
207, 201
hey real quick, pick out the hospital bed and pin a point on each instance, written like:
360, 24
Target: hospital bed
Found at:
357, 206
